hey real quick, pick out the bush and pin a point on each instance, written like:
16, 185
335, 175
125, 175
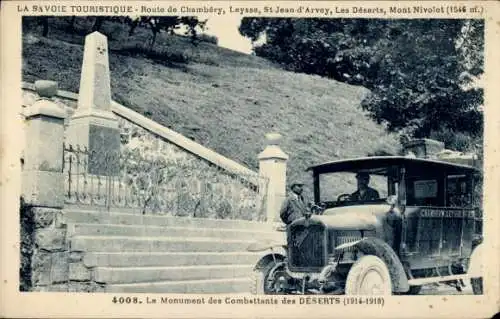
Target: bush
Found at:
161, 56
457, 141
208, 38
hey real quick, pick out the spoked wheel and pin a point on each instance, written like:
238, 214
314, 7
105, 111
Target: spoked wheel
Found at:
477, 285
265, 280
368, 276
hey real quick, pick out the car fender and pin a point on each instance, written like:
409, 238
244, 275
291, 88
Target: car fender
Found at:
475, 268
265, 260
263, 245
379, 248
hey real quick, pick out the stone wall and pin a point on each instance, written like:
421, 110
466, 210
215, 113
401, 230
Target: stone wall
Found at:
189, 185
47, 264
49, 250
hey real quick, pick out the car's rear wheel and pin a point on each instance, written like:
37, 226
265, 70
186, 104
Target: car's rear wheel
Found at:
368, 276
477, 285
265, 279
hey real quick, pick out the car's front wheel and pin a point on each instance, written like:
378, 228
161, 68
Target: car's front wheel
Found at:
477, 285
265, 279
368, 276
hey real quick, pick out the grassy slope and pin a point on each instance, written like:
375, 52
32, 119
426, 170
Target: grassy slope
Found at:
223, 99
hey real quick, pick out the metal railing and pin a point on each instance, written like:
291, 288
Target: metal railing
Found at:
158, 185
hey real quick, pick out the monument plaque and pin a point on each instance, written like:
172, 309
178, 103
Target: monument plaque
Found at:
104, 151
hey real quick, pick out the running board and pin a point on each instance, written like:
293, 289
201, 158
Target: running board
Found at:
429, 280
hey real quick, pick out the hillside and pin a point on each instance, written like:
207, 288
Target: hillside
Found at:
223, 99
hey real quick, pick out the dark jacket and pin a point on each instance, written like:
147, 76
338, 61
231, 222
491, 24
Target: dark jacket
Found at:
293, 208
370, 194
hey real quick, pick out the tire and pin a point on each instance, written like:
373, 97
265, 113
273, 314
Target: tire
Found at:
477, 285
368, 276
259, 281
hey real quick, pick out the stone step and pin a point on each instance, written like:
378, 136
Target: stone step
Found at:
90, 229
72, 215
209, 286
127, 275
155, 244
151, 259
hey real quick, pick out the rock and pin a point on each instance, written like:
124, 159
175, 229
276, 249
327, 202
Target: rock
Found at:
75, 256
43, 217
41, 264
59, 267
51, 239
78, 272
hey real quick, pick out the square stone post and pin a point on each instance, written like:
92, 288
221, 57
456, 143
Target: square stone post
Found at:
43, 182
272, 166
43, 237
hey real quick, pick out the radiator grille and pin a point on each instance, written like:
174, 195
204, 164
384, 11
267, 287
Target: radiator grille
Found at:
347, 236
307, 247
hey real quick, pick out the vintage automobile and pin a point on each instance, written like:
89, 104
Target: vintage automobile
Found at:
425, 227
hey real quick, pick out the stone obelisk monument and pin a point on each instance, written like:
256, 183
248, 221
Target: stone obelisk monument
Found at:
93, 125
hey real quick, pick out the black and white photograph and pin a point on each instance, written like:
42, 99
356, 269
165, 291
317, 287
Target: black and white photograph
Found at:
216, 150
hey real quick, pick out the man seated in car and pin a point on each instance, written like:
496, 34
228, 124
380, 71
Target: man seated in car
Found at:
364, 192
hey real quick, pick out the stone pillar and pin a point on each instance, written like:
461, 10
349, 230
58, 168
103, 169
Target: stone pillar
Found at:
43, 242
42, 183
93, 125
272, 165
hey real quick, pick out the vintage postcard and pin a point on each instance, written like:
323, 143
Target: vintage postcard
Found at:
253, 159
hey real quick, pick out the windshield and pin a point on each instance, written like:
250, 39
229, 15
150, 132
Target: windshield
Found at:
349, 188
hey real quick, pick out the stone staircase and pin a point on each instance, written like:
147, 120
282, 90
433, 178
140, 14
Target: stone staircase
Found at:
156, 254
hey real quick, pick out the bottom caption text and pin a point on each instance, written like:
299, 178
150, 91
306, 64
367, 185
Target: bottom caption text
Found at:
243, 300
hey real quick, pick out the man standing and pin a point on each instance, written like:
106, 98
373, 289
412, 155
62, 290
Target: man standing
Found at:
294, 206
364, 192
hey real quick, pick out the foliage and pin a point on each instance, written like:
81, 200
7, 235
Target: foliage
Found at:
419, 72
168, 24
156, 24
164, 56
455, 140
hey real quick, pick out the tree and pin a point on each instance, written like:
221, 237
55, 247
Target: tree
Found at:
167, 24
419, 85
156, 24
99, 20
419, 72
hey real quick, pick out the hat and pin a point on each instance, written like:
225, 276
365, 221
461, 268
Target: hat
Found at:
363, 175
296, 183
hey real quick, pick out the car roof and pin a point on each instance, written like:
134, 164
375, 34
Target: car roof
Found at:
373, 162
